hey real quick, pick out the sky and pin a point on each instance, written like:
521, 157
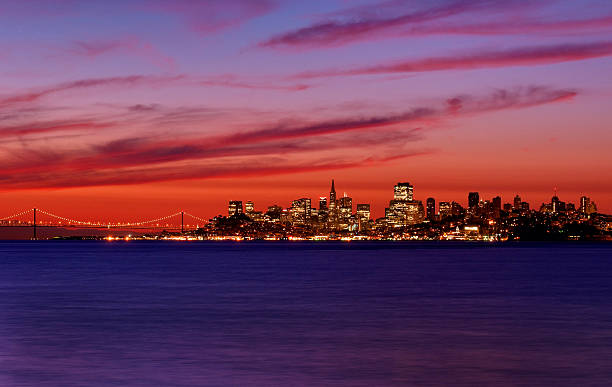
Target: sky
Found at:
132, 109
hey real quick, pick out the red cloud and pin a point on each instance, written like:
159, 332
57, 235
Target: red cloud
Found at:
151, 159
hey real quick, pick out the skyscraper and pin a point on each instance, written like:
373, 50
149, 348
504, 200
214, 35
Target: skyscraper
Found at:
322, 203
346, 208
517, 203
363, 211
403, 191
363, 216
332, 197
473, 199
234, 207
301, 211
431, 208
445, 210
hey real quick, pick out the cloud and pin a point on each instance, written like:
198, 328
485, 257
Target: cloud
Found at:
133, 80
500, 99
211, 16
375, 21
219, 169
51, 127
9, 101
229, 80
276, 148
400, 19
523, 56
124, 46
513, 27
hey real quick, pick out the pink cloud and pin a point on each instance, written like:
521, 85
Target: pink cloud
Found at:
154, 157
214, 15
123, 46
387, 19
523, 56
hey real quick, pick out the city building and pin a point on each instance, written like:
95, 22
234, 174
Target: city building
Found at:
301, 211
323, 203
517, 203
445, 209
235, 207
403, 191
363, 216
274, 213
587, 207
473, 199
431, 208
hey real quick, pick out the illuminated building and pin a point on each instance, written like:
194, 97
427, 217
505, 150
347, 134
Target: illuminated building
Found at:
403, 209
431, 208
445, 210
274, 213
301, 211
403, 191
249, 207
363, 211
332, 207
584, 203
346, 206
587, 207
332, 197
557, 205
235, 207
323, 203
414, 212
396, 215
456, 209
363, 216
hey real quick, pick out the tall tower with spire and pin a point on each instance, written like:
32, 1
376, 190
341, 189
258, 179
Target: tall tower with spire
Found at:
332, 197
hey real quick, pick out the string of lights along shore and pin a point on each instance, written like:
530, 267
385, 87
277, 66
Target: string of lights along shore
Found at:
338, 217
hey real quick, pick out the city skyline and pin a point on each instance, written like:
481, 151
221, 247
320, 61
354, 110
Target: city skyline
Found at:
335, 217
429, 208
107, 106
377, 209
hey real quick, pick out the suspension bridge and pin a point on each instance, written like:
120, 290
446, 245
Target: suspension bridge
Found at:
36, 218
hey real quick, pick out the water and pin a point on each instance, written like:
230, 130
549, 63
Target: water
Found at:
304, 314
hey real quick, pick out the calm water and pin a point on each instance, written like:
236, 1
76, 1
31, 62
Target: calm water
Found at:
304, 314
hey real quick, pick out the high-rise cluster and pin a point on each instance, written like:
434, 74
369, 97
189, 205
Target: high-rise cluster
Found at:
405, 216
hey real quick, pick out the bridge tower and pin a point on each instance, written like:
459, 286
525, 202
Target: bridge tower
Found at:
34, 225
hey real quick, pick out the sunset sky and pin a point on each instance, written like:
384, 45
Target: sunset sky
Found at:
131, 109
